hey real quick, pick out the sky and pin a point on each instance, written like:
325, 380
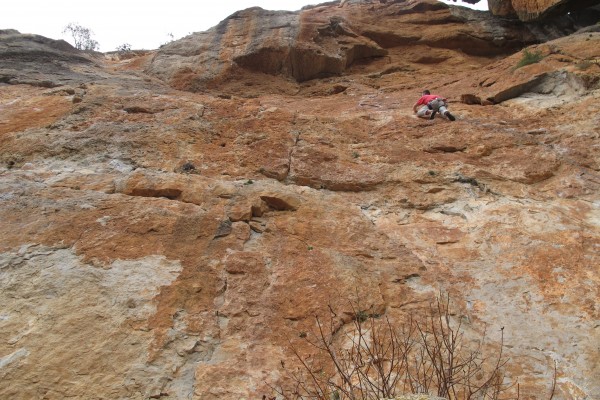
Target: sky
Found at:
143, 24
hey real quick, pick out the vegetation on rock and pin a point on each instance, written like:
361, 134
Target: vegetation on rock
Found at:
376, 358
530, 57
82, 37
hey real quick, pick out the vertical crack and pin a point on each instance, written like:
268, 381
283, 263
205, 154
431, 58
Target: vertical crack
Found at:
296, 138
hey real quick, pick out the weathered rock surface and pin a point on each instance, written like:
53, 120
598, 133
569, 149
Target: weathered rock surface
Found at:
567, 69
301, 46
158, 243
322, 41
532, 10
39, 61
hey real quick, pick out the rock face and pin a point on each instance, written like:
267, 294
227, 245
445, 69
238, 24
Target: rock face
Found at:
160, 243
39, 61
506, 79
323, 41
532, 10
301, 46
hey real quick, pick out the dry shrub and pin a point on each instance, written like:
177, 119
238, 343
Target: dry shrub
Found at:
378, 359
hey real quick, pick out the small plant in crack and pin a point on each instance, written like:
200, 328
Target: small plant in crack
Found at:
529, 58
583, 65
361, 316
188, 167
465, 179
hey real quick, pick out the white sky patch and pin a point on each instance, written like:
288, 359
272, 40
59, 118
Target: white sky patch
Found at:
142, 24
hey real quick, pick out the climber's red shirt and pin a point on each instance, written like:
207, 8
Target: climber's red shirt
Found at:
427, 98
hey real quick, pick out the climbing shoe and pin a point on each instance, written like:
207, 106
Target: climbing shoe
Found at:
432, 116
450, 116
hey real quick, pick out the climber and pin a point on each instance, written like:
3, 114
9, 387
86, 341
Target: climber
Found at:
430, 104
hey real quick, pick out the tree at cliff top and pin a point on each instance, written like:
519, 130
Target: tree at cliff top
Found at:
82, 37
